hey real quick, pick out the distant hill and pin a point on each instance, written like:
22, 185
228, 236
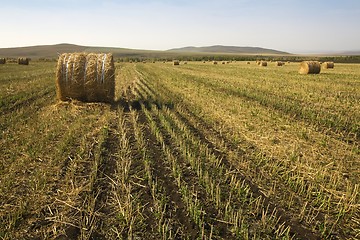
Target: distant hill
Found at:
228, 50
52, 51
44, 51
349, 53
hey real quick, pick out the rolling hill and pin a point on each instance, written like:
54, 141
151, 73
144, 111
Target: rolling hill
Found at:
229, 49
52, 51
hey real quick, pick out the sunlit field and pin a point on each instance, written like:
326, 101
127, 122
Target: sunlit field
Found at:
195, 151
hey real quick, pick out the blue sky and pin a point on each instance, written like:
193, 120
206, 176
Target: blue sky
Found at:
297, 26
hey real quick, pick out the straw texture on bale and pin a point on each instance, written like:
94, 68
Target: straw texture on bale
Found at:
2, 60
88, 77
327, 65
23, 61
176, 62
310, 67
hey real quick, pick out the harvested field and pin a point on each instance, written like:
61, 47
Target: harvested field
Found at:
195, 152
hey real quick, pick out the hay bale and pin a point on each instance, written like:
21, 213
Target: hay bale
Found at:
23, 61
248, 63
214, 62
310, 67
88, 77
279, 63
176, 62
2, 60
185, 62
327, 65
263, 63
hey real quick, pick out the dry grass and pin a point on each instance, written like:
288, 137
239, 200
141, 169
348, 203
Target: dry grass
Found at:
196, 152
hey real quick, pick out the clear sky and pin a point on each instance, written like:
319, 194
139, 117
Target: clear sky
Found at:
297, 26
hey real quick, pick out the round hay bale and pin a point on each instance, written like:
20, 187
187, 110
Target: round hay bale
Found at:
88, 77
327, 65
176, 62
185, 62
248, 63
263, 63
310, 67
2, 60
23, 61
214, 62
279, 63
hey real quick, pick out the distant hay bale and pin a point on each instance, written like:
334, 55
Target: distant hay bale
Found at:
310, 67
327, 65
88, 77
223, 62
185, 62
176, 62
2, 60
248, 63
215, 62
23, 61
279, 63
263, 63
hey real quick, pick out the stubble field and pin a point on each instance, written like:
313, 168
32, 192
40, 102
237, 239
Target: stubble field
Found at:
196, 151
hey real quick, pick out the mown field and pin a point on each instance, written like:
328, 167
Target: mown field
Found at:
196, 151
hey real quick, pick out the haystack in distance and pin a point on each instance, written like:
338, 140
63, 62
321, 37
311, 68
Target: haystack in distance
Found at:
310, 67
88, 77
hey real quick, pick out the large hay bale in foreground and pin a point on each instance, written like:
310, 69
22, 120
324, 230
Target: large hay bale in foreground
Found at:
176, 62
310, 67
2, 60
23, 61
327, 65
88, 77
